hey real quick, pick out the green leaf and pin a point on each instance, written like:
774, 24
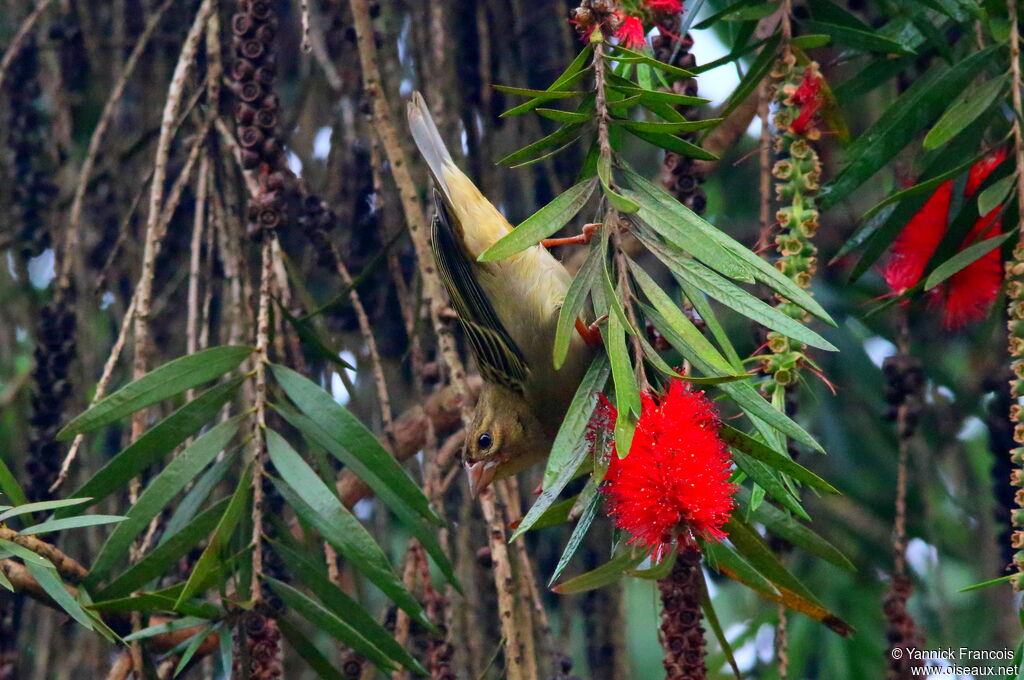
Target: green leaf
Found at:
156, 443
986, 584
863, 41
627, 55
769, 480
327, 621
666, 128
27, 556
165, 486
924, 187
310, 337
993, 197
672, 143
576, 299
570, 446
323, 438
811, 40
784, 526
47, 579
900, 123
161, 383
657, 96
564, 116
301, 643
687, 230
964, 110
318, 505
768, 455
197, 495
579, 532
567, 133
543, 95
572, 74
9, 485
366, 456
608, 573
210, 561
193, 646
627, 392
165, 555
542, 223
725, 560
166, 627
754, 549
371, 634
69, 523
40, 506
965, 258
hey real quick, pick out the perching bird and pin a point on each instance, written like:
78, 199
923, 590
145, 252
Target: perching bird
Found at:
509, 311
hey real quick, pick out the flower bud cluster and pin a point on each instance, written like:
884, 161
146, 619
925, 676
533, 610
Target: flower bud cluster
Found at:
797, 173
682, 635
31, 188
50, 393
1015, 328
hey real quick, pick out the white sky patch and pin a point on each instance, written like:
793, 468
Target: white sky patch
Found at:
322, 143
41, 269
878, 349
972, 428
106, 300
338, 389
764, 642
921, 556
945, 393
20, 334
363, 509
294, 163
746, 656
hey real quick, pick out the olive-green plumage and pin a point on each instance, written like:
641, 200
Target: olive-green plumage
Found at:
508, 310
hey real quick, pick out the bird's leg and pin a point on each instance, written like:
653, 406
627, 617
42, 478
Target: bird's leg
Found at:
581, 239
590, 333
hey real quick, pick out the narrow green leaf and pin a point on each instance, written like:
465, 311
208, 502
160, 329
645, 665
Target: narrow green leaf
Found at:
572, 74
209, 561
993, 197
769, 480
784, 526
986, 584
964, 258
608, 573
575, 300
570, 446
40, 506
326, 620
165, 555
899, 124
323, 438
667, 128
27, 556
542, 223
724, 559
627, 392
165, 486
564, 116
579, 532
367, 457
183, 623
161, 383
863, 41
624, 54
47, 579
811, 40
543, 95
318, 505
768, 455
564, 134
9, 485
301, 643
657, 96
187, 508
156, 443
754, 549
964, 110
674, 144
69, 523
363, 625
193, 646
759, 69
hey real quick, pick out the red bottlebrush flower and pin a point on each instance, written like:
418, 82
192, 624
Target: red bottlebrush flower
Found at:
674, 484
631, 32
982, 169
967, 295
809, 98
917, 242
664, 6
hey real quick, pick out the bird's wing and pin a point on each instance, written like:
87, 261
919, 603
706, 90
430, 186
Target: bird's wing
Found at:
500, 359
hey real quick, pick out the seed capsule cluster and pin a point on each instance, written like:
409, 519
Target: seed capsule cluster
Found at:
257, 111
32, 189
683, 636
901, 631
263, 652
679, 175
53, 357
1015, 327
797, 173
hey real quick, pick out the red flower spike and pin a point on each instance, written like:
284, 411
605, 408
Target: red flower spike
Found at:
982, 169
674, 484
917, 242
664, 6
968, 295
809, 98
631, 32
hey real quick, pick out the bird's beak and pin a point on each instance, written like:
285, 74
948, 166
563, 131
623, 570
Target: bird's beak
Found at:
481, 474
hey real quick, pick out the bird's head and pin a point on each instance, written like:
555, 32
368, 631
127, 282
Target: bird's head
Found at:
504, 437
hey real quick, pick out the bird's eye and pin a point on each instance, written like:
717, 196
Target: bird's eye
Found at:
484, 441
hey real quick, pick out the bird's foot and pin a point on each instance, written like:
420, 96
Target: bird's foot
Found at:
591, 333
581, 239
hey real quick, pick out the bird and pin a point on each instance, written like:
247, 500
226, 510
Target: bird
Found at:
508, 310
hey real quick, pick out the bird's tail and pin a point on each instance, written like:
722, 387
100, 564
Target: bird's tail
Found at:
429, 142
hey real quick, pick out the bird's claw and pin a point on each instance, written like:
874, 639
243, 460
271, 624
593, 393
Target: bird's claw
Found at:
591, 333
581, 239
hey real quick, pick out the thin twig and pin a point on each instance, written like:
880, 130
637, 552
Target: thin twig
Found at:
259, 434
19, 37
